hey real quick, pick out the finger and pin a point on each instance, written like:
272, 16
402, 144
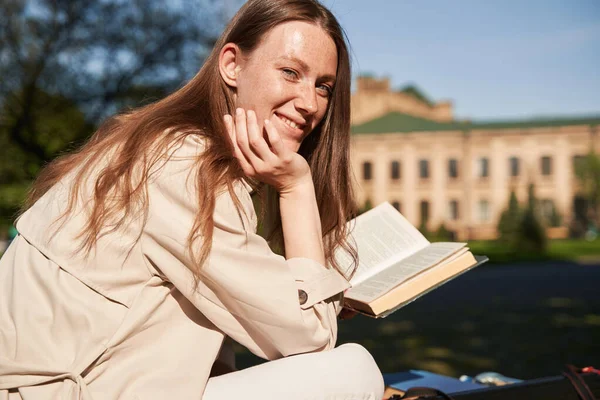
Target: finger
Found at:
244, 163
277, 146
257, 142
228, 120
347, 314
241, 134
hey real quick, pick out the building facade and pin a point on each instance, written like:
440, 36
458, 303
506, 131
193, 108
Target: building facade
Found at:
460, 173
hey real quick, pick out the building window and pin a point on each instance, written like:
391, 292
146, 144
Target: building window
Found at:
453, 210
424, 209
423, 169
395, 170
367, 170
514, 166
396, 205
453, 168
483, 207
546, 165
483, 167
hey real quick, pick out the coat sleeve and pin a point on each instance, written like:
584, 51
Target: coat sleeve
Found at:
273, 306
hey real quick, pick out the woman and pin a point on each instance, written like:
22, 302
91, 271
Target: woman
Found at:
138, 254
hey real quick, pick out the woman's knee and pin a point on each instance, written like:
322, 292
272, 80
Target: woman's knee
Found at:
360, 367
357, 353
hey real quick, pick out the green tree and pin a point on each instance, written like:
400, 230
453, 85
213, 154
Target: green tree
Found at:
555, 219
510, 219
442, 234
424, 230
11, 198
101, 55
67, 64
588, 174
365, 207
520, 228
532, 235
59, 121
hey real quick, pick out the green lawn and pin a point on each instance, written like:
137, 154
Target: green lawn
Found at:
563, 249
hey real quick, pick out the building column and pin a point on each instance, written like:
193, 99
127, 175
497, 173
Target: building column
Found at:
410, 173
466, 208
439, 178
564, 176
380, 175
499, 179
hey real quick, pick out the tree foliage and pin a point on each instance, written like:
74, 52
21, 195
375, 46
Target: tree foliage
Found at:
443, 234
520, 228
588, 174
101, 55
67, 64
510, 219
532, 235
424, 229
555, 219
365, 207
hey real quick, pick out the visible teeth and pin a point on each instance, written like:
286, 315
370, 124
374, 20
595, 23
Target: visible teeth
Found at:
288, 122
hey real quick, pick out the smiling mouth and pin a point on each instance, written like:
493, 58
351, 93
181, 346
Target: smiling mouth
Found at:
291, 123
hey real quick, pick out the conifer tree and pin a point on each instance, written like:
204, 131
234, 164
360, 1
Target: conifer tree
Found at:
532, 235
510, 219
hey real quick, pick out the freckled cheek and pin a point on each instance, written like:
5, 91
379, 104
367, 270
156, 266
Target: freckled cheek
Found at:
321, 110
273, 96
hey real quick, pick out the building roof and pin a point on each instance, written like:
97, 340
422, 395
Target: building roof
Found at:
416, 93
399, 122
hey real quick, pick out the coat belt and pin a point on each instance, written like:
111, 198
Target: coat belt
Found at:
15, 375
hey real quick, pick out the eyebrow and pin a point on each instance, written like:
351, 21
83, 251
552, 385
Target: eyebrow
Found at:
306, 67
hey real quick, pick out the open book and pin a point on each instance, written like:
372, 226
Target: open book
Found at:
397, 264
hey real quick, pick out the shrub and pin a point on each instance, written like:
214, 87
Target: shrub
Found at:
510, 219
443, 234
521, 229
532, 235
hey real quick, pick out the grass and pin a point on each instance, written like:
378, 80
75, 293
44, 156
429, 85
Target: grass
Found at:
574, 249
558, 250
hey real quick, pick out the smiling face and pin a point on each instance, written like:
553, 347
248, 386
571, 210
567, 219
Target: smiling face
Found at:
288, 78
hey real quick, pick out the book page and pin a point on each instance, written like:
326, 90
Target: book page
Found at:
383, 237
389, 278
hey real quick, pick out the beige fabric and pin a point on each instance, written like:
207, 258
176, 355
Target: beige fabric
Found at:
347, 372
125, 322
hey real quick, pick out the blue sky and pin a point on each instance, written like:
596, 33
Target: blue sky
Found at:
493, 59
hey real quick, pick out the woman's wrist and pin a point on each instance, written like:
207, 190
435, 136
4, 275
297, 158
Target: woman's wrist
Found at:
303, 187
301, 223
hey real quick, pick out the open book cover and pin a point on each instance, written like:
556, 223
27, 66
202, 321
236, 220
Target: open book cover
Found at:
397, 264
407, 379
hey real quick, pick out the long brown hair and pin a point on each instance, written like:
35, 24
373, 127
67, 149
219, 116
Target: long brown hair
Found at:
197, 108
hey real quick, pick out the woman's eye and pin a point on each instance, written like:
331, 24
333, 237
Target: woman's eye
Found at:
325, 89
290, 73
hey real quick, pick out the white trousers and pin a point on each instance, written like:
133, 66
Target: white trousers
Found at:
347, 372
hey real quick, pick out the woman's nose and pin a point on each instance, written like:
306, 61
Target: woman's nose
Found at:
306, 101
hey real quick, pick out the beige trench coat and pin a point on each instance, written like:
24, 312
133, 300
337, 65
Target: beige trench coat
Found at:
125, 322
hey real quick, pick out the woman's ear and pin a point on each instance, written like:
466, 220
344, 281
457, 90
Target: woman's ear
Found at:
230, 59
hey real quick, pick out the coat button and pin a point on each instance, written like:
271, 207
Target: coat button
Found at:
302, 296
